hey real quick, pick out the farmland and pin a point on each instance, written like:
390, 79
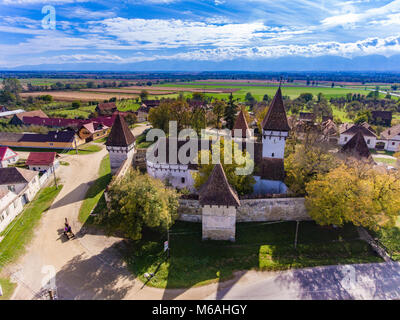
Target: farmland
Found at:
78, 95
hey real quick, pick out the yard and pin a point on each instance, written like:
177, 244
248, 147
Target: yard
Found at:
260, 246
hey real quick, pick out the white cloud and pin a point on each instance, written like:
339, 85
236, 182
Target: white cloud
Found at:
11, 2
351, 19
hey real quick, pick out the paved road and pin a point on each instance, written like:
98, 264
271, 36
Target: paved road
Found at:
379, 281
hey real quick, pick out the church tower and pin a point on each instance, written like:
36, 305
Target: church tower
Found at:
120, 143
275, 129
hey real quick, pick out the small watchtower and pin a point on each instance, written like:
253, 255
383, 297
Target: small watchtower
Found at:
219, 202
120, 143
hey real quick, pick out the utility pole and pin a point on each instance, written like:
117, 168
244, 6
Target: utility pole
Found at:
76, 146
297, 231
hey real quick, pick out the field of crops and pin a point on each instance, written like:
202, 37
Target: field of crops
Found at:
78, 95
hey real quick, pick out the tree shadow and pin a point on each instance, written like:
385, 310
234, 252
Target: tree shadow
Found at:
73, 196
94, 278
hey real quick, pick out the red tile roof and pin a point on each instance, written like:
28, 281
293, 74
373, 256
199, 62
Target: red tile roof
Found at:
34, 113
41, 158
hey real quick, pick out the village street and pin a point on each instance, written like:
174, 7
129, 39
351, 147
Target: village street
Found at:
89, 267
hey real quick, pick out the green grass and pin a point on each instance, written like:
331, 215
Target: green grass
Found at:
390, 238
385, 160
86, 149
64, 163
127, 105
141, 142
8, 288
101, 141
258, 246
96, 190
18, 234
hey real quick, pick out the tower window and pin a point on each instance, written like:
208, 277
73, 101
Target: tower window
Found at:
273, 155
183, 180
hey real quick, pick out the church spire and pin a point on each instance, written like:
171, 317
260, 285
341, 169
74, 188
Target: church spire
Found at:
276, 119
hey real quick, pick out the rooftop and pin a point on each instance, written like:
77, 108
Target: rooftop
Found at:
275, 119
120, 135
13, 175
41, 158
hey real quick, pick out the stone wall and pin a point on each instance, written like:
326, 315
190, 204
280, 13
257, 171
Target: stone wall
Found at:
252, 210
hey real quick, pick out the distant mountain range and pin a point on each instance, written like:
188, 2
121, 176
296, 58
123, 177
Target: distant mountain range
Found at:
324, 63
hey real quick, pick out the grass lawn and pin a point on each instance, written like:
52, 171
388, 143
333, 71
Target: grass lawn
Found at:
258, 246
101, 141
21, 230
85, 149
19, 233
8, 288
391, 162
96, 190
141, 142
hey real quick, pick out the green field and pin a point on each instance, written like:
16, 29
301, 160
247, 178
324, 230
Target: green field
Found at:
258, 246
259, 92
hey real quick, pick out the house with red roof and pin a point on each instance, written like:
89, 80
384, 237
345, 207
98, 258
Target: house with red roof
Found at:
7, 157
42, 161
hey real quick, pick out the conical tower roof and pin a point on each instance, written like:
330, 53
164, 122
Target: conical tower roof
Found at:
241, 124
357, 146
276, 119
120, 135
217, 191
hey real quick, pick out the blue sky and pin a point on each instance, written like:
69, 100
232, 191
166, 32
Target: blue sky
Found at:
133, 31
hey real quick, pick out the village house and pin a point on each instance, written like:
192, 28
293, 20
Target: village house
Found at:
10, 114
268, 155
392, 137
18, 120
357, 148
106, 108
307, 116
348, 130
3, 109
52, 140
93, 131
143, 113
17, 187
7, 157
42, 161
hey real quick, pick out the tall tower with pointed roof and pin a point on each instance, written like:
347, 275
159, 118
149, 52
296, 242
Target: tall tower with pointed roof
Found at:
275, 129
219, 202
120, 143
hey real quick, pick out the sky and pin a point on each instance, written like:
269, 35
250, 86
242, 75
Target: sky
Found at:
134, 33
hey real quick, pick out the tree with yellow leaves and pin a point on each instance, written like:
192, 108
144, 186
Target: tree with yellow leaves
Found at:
355, 193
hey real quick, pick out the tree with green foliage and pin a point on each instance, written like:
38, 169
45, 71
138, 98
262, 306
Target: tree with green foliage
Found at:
308, 159
250, 100
144, 95
130, 118
218, 109
139, 201
76, 104
159, 117
198, 120
10, 91
243, 184
357, 194
230, 112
